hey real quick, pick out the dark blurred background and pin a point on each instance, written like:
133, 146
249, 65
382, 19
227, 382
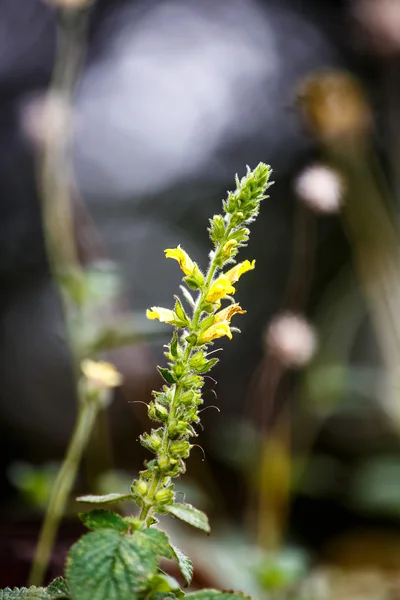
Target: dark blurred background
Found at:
174, 98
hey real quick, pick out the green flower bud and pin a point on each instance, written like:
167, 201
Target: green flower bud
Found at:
191, 339
157, 412
237, 218
180, 449
188, 398
152, 441
192, 382
180, 429
163, 463
139, 488
165, 496
178, 370
195, 280
217, 228
198, 359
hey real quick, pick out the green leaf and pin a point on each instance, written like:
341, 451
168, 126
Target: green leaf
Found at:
155, 541
206, 323
189, 514
185, 564
58, 590
166, 374
180, 311
215, 595
105, 565
31, 593
208, 365
105, 499
174, 345
191, 282
103, 519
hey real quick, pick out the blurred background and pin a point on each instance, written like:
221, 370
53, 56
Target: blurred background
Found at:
164, 102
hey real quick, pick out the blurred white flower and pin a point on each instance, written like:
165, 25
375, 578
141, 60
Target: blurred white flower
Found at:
291, 339
42, 116
380, 20
321, 188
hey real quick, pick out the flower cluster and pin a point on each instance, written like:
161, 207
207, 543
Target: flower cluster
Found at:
175, 407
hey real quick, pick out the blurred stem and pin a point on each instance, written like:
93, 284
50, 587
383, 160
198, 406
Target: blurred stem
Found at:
59, 236
56, 159
371, 226
302, 263
61, 489
391, 82
275, 474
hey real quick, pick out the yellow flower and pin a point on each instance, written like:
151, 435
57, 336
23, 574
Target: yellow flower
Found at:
184, 260
219, 289
237, 271
101, 374
228, 247
225, 315
164, 315
216, 331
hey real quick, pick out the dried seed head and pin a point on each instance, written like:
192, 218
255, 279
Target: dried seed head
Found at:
321, 188
334, 107
291, 339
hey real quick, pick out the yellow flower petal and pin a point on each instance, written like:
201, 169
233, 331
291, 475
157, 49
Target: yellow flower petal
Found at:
184, 260
101, 374
164, 315
235, 273
216, 331
227, 313
219, 289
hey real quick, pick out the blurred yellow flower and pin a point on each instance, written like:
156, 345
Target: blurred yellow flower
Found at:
101, 374
219, 289
237, 271
216, 331
185, 262
165, 315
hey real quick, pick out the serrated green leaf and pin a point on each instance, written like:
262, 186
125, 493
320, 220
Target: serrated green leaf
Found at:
215, 595
185, 564
103, 519
189, 514
105, 565
155, 541
58, 590
166, 374
31, 593
105, 499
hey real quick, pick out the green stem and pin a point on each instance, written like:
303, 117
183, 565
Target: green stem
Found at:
62, 488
